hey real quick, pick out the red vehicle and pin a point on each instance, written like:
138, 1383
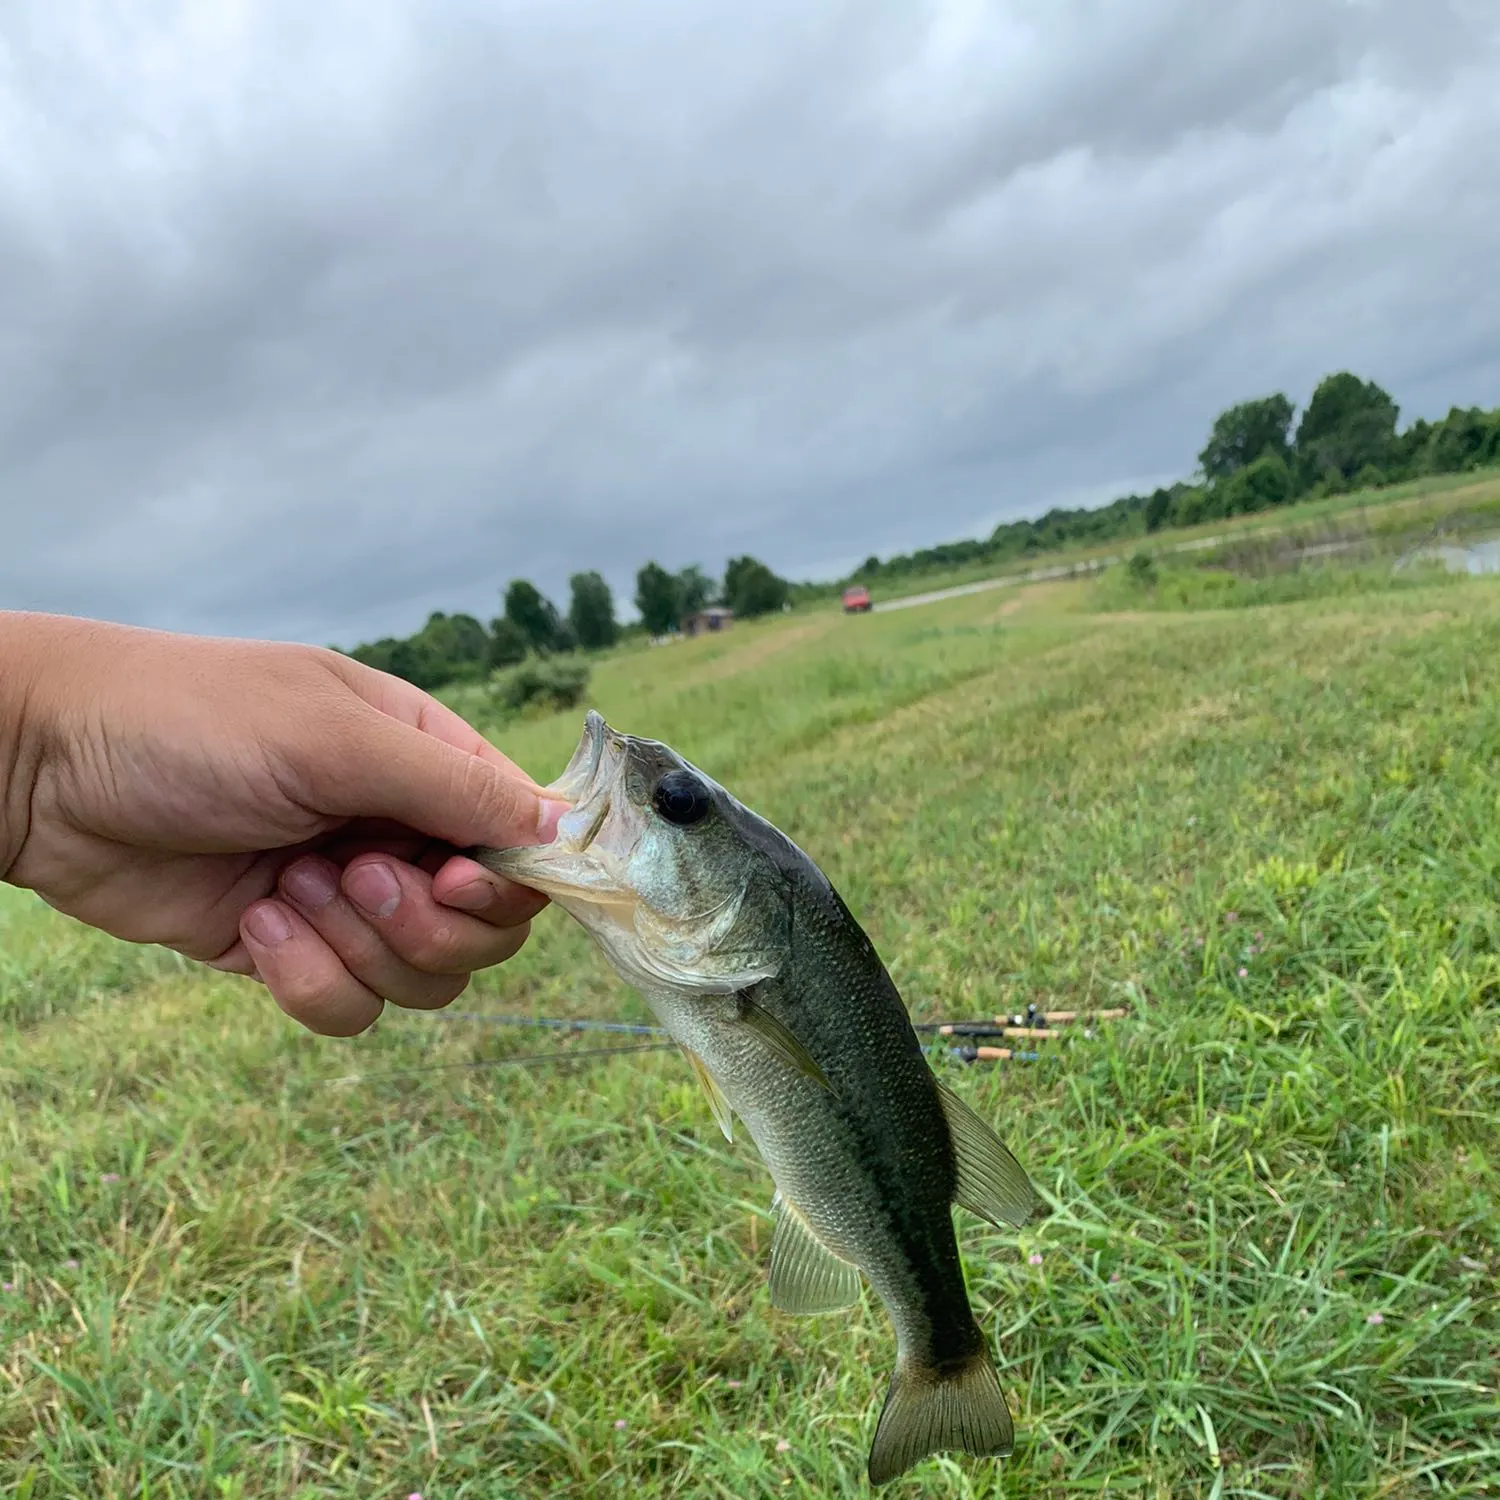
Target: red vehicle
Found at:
857, 600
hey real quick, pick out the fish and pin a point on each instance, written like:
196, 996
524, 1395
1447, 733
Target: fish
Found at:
758, 971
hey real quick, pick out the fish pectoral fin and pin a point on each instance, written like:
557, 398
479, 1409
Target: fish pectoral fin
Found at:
991, 1182
716, 1100
806, 1277
781, 1041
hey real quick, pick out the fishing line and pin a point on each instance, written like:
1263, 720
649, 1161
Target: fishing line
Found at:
524, 1058
491, 1018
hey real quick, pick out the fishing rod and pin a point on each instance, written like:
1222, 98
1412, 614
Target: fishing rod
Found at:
595, 1054
1034, 1023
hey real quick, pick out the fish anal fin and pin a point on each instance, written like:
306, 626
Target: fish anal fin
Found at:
780, 1040
719, 1105
991, 1182
933, 1410
806, 1277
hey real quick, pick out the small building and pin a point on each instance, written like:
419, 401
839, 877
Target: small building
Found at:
715, 617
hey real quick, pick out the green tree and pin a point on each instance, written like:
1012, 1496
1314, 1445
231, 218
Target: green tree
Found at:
451, 647
1245, 432
1348, 424
471, 641
694, 589
1158, 509
1460, 441
409, 661
1258, 486
656, 598
534, 615
751, 588
1190, 506
591, 612
508, 643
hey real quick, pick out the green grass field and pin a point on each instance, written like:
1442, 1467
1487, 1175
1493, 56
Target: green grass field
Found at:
1269, 1265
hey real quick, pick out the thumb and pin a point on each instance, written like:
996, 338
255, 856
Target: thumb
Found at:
384, 768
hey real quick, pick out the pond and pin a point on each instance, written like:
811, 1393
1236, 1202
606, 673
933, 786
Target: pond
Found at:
1481, 556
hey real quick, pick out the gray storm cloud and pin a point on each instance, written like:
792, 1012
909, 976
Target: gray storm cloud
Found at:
316, 318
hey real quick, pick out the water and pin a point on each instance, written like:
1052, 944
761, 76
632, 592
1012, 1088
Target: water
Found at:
1471, 557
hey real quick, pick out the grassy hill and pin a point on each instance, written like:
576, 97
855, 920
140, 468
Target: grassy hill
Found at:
1270, 1262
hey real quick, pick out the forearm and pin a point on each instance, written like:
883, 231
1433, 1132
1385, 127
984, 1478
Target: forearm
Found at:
24, 643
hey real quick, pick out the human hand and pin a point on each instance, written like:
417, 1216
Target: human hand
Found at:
273, 810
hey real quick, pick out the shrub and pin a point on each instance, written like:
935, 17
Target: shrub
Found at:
543, 684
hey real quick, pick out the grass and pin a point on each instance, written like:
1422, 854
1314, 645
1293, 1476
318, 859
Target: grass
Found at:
1270, 1262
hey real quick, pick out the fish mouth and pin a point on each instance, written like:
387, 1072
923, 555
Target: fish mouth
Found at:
588, 782
570, 866
578, 775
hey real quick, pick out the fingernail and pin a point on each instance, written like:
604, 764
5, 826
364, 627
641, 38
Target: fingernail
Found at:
472, 897
267, 924
374, 889
547, 818
310, 883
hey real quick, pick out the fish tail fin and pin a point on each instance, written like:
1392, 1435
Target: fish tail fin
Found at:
933, 1408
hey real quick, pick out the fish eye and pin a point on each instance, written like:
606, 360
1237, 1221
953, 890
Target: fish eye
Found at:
681, 798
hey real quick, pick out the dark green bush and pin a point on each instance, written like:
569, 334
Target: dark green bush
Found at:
540, 683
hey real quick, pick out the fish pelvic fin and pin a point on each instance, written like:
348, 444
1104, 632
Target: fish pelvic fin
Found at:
933, 1409
991, 1182
806, 1277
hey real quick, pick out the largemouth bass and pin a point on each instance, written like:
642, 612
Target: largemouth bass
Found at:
758, 971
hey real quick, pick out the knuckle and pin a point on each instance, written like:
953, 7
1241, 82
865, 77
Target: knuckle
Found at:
432, 947
493, 799
303, 994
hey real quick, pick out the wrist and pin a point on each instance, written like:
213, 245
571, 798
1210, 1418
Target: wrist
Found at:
23, 732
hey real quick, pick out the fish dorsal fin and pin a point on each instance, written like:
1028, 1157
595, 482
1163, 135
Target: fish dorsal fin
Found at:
781, 1041
805, 1277
991, 1182
716, 1100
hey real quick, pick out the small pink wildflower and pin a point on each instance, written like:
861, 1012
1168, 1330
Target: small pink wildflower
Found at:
782, 1446
1243, 971
734, 1385
7, 1286
1375, 1319
621, 1424
71, 1264
415, 1495
1114, 1276
1035, 1258
110, 1177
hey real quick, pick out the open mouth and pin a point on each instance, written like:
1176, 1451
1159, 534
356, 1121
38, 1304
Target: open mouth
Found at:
578, 776
587, 783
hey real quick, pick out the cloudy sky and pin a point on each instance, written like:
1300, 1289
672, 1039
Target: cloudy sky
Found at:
315, 318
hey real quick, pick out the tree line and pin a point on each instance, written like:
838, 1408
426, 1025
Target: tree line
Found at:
458, 648
1254, 459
